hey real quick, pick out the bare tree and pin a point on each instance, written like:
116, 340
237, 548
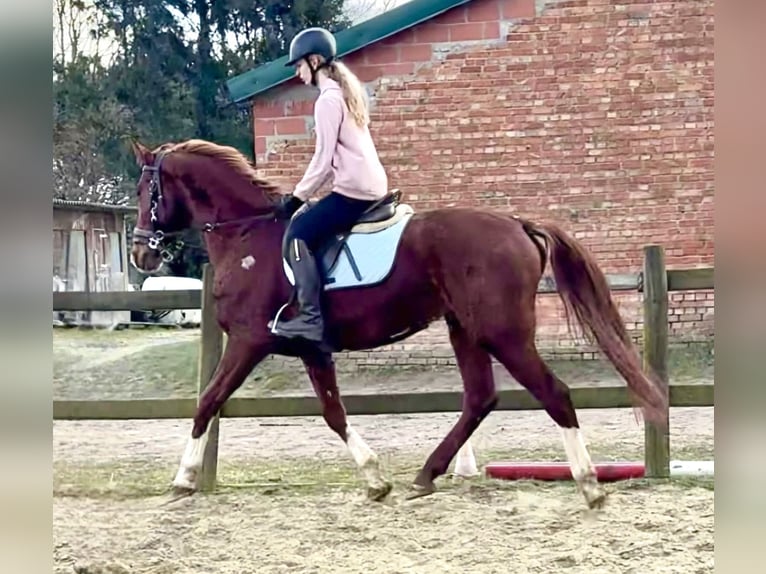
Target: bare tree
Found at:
78, 29
360, 10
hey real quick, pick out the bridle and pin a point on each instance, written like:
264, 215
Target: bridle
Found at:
156, 238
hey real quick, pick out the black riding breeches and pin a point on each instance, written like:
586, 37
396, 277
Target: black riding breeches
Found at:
331, 215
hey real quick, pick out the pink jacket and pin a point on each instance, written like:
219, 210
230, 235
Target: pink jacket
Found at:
343, 149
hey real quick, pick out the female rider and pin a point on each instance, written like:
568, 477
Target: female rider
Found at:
345, 150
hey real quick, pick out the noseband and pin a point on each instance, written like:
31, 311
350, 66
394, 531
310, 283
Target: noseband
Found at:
156, 238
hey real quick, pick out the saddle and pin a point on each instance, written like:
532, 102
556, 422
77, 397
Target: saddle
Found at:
382, 215
377, 217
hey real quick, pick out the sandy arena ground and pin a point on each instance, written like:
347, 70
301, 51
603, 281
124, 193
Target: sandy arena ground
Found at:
296, 526
291, 501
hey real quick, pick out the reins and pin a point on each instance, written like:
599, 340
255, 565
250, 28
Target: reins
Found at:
210, 227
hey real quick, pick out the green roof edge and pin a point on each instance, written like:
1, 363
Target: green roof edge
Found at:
266, 76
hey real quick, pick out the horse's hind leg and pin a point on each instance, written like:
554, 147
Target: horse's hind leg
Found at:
479, 398
527, 367
321, 370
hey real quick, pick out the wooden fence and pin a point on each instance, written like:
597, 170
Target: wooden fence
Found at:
655, 282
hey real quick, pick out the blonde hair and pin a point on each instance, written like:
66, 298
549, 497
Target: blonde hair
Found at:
353, 92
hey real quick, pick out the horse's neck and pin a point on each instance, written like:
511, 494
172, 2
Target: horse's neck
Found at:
233, 205
259, 239
223, 204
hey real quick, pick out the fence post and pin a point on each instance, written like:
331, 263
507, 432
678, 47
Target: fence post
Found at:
655, 300
211, 347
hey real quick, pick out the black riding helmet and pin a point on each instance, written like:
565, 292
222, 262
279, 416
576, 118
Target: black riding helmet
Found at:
312, 41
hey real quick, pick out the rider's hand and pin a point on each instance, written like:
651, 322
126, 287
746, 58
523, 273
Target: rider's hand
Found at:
288, 205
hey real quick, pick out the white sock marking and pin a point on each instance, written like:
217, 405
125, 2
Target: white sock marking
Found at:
465, 461
191, 462
577, 453
365, 458
359, 450
583, 470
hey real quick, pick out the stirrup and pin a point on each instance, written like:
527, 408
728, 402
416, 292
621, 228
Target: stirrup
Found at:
272, 325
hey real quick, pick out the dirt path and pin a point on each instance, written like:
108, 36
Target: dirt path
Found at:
478, 526
290, 500
468, 528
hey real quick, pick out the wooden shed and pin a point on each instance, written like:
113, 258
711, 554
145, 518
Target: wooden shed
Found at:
90, 254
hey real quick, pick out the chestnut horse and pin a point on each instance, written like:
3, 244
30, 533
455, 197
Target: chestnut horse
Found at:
477, 270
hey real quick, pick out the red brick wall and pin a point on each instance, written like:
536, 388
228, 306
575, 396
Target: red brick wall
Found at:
596, 114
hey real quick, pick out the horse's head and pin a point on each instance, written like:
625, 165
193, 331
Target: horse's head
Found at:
193, 184
162, 211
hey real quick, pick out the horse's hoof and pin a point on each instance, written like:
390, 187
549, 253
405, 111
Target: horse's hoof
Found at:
418, 490
179, 493
378, 493
597, 502
594, 494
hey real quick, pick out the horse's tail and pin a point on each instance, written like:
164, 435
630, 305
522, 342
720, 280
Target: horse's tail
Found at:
584, 290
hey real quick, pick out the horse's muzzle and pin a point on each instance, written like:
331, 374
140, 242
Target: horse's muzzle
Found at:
145, 259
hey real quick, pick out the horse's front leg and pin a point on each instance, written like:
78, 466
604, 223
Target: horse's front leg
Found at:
321, 370
239, 358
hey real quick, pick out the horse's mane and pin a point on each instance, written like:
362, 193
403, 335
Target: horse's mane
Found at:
231, 157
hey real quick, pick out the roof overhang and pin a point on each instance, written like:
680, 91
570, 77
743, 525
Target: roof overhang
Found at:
261, 79
76, 205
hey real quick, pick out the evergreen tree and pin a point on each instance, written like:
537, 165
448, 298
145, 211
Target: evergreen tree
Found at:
158, 75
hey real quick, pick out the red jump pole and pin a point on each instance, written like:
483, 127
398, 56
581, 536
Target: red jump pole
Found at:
606, 472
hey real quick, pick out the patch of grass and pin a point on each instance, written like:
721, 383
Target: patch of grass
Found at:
161, 371
271, 382
102, 364
685, 482
688, 362
706, 482
685, 363
692, 452
176, 363
139, 478
110, 338
121, 364
155, 363
124, 480
573, 372
693, 362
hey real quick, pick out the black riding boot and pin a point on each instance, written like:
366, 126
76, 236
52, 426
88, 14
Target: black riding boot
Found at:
308, 283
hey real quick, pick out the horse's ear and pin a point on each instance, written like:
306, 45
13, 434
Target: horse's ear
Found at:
143, 154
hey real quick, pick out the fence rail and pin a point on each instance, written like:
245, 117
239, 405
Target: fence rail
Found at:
126, 300
398, 403
654, 282
192, 299
678, 280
